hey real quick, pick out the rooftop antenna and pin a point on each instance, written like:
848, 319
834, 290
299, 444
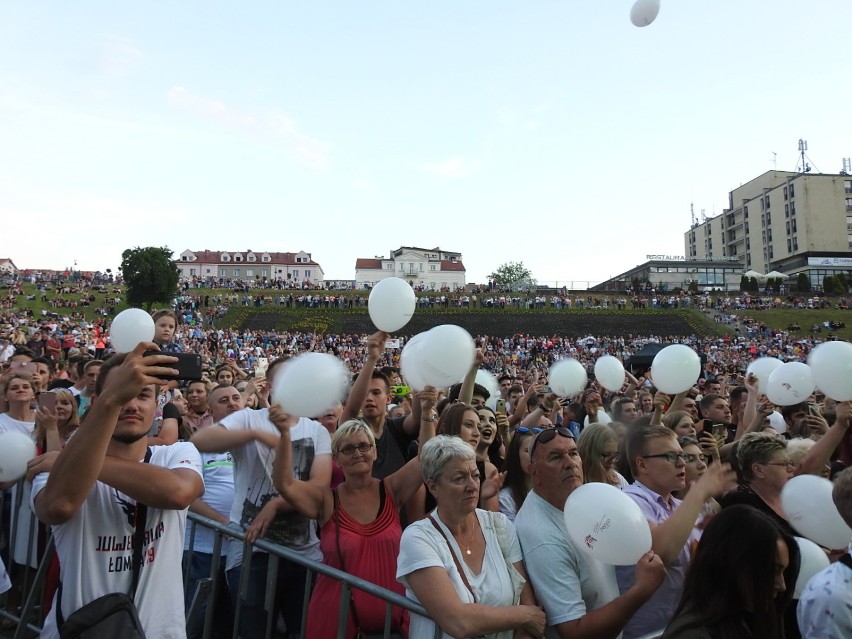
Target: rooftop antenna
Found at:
692, 213
803, 166
774, 161
703, 215
847, 166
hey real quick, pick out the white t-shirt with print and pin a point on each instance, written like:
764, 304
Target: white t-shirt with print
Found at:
253, 480
95, 551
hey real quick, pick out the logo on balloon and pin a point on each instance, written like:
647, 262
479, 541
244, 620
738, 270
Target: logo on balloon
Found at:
601, 525
590, 542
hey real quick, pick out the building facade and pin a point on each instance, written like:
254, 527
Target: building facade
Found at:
208, 266
426, 269
782, 221
665, 273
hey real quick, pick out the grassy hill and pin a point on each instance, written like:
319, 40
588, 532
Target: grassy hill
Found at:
482, 321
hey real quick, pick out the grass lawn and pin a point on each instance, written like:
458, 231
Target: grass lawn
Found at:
780, 318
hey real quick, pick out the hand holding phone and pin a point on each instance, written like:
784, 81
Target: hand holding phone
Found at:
47, 401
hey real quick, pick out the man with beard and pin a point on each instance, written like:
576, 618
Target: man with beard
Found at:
96, 488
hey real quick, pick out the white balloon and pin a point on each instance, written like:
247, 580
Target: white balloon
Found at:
309, 384
675, 369
776, 420
813, 560
391, 304
607, 524
831, 365
762, 368
603, 418
806, 501
791, 383
130, 327
644, 12
609, 371
488, 382
16, 449
409, 363
446, 356
567, 377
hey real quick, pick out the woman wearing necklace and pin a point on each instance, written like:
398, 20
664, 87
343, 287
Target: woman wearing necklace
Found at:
461, 563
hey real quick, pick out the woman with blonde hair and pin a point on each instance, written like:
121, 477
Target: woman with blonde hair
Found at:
598, 448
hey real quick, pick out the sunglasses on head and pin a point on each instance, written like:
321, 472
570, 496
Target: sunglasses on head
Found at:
524, 430
549, 435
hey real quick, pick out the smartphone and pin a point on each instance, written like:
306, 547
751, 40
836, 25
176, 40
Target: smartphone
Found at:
501, 406
30, 368
813, 409
400, 391
545, 389
47, 401
719, 430
188, 365
260, 368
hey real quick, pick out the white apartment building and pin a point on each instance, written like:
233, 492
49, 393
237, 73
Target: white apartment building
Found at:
428, 269
296, 268
782, 221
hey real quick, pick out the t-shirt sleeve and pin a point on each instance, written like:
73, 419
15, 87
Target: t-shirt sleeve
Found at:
39, 482
513, 546
170, 411
417, 550
554, 575
179, 455
322, 440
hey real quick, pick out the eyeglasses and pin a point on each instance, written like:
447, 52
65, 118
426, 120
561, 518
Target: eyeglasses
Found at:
786, 464
672, 458
351, 448
690, 458
610, 457
523, 430
548, 435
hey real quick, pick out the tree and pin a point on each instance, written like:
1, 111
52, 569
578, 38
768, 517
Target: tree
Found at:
513, 275
803, 283
150, 275
744, 283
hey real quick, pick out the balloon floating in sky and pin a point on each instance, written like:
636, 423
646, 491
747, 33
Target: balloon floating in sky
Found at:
644, 12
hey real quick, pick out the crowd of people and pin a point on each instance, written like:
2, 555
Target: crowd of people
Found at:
453, 497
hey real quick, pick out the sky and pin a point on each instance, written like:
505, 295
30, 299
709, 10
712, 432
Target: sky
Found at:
549, 132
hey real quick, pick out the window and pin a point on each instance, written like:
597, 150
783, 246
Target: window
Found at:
208, 271
792, 209
785, 192
264, 272
786, 210
849, 240
789, 246
762, 204
238, 258
249, 272
192, 272
849, 203
795, 244
767, 202
226, 257
266, 258
390, 265
251, 258
431, 267
847, 186
184, 258
748, 244
792, 190
769, 253
848, 223
295, 272
745, 212
236, 272
307, 272
768, 218
793, 225
788, 228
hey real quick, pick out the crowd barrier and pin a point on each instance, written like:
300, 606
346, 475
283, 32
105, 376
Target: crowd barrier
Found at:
27, 619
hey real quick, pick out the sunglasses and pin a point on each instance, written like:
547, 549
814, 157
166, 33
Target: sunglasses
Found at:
523, 430
549, 435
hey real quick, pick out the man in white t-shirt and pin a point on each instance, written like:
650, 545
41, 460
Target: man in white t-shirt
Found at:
252, 436
91, 492
579, 594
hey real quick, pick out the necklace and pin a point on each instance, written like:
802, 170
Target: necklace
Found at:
470, 539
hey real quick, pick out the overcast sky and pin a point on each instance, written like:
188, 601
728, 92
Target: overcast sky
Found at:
551, 132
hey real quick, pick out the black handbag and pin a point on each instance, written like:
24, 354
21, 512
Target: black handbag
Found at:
115, 614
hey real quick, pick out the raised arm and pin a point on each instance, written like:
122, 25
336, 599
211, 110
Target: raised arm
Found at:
820, 453
155, 486
358, 392
466, 391
310, 499
79, 465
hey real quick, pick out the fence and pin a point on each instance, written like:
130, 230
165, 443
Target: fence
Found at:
27, 620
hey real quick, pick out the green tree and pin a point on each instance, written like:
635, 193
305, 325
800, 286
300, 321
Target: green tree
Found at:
150, 275
692, 287
513, 275
803, 283
753, 285
744, 283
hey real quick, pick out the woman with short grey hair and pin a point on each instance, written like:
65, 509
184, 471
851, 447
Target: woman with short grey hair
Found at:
461, 563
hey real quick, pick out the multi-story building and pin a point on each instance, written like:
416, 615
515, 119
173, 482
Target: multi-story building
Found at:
296, 268
782, 221
429, 269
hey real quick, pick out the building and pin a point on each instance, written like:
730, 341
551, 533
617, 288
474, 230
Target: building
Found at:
782, 221
666, 273
296, 268
7, 266
427, 269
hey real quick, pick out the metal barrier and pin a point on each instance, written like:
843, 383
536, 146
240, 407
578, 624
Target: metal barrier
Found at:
207, 588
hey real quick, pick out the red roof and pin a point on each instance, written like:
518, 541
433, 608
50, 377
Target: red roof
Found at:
450, 265
214, 257
368, 262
